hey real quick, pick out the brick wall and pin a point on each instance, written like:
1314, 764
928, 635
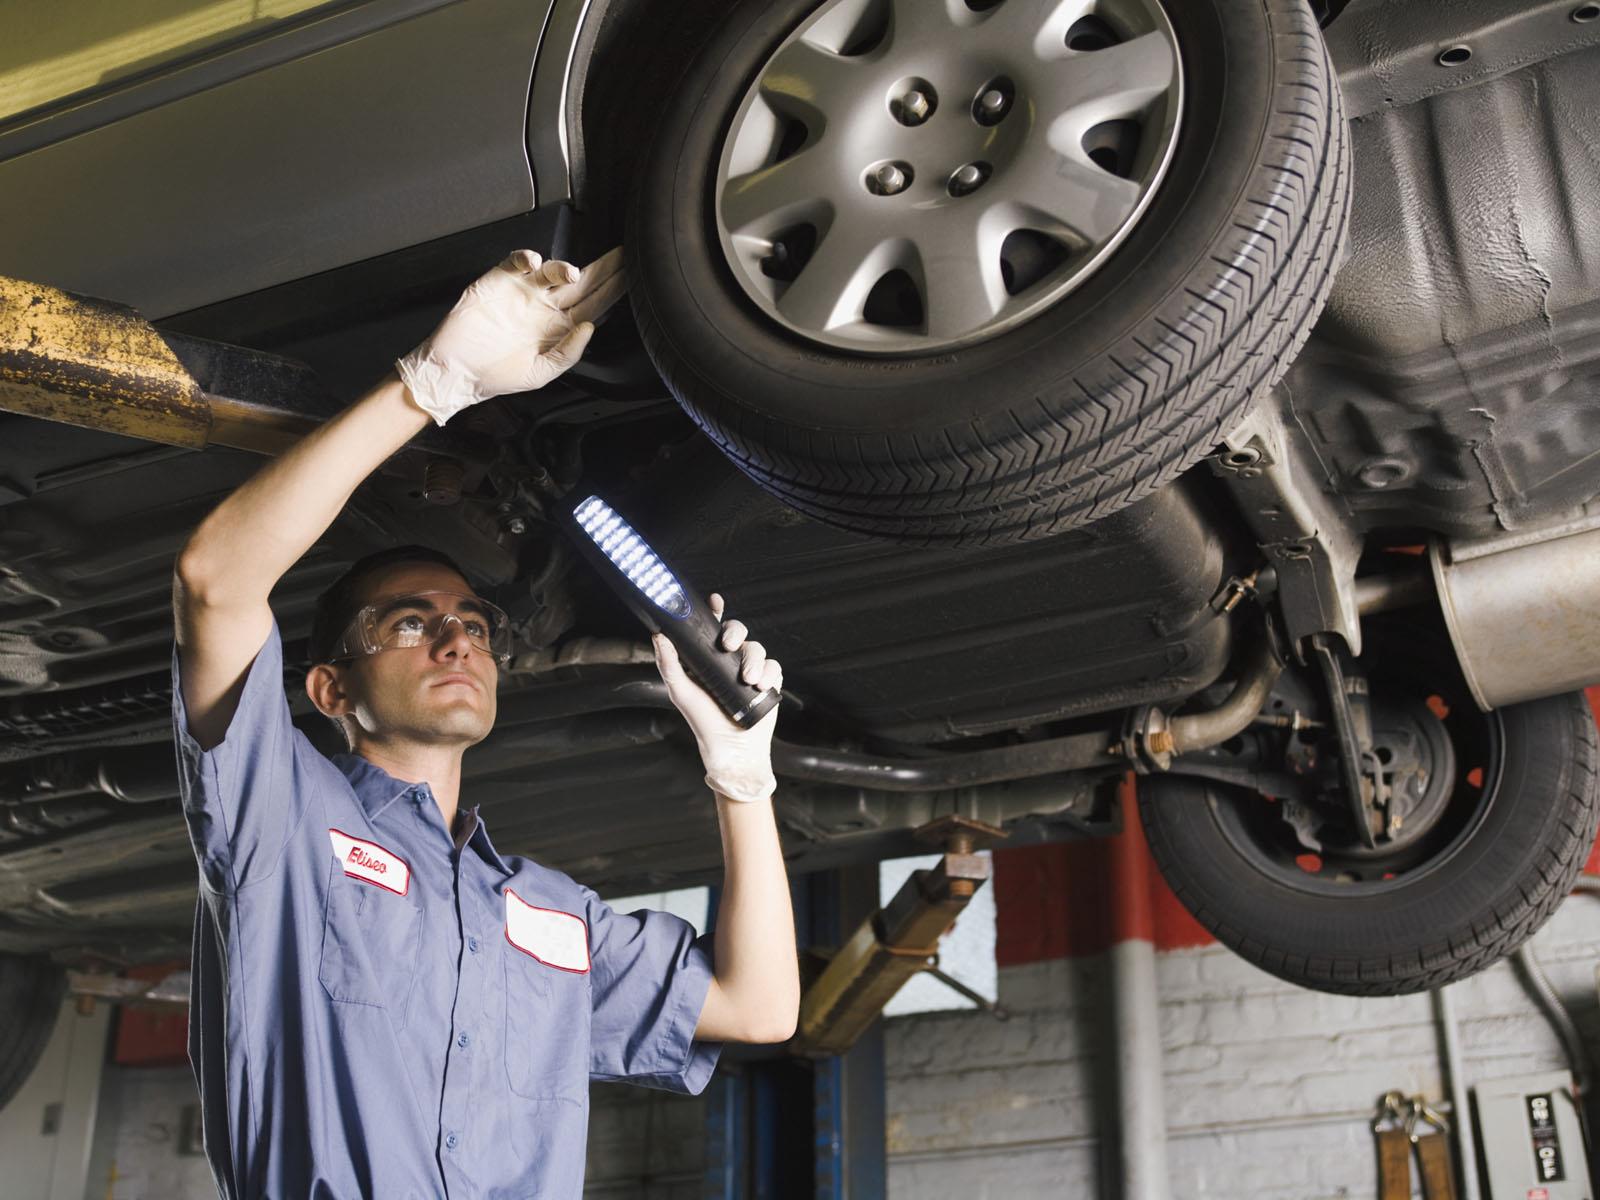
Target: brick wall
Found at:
1269, 1087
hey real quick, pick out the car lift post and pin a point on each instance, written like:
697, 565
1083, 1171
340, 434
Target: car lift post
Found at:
848, 1101
774, 1124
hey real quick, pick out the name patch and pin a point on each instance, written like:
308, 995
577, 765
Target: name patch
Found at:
370, 862
555, 938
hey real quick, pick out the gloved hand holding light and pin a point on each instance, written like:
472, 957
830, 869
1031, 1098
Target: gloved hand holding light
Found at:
661, 600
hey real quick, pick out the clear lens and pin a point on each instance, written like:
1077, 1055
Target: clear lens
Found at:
632, 556
421, 619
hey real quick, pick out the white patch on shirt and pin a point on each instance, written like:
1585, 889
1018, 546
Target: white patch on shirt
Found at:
557, 939
370, 862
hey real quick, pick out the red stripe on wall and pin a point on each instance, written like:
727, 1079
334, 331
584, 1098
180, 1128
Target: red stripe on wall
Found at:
1058, 900
151, 1037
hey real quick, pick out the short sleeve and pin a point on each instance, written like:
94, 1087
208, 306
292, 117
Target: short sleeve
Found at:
244, 796
649, 975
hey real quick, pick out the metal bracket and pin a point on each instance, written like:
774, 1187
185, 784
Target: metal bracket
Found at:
1311, 545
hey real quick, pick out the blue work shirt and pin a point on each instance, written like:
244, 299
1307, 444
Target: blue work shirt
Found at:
377, 1013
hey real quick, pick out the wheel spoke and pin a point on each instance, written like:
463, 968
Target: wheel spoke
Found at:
920, 23
811, 82
1067, 195
762, 202
1081, 90
1047, 33
962, 288
832, 287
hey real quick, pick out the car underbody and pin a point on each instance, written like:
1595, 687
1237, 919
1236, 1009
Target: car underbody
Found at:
1446, 398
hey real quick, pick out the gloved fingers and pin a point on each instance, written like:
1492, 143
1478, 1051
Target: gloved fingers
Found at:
555, 275
753, 660
715, 600
667, 659
733, 633
600, 301
771, 675
522, 262
608, 266
552, 362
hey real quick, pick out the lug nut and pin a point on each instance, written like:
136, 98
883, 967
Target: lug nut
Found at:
968, 179
890, 179
914, 108
994, 101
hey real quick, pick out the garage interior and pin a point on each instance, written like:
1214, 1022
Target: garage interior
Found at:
1303, 608
1121, 1039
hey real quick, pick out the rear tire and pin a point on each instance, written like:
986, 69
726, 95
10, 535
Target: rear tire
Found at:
1501, 880
31, 990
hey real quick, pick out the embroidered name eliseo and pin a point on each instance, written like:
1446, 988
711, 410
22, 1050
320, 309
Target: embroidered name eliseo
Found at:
370, 862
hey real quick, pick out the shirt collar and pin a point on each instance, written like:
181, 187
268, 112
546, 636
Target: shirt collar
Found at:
376, 790
480, 838
374, 787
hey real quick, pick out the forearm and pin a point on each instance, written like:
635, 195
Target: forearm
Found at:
757, 970
252, 538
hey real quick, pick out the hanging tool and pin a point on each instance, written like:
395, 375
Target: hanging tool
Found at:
1410, 1126
1394, 1147
1432, 1150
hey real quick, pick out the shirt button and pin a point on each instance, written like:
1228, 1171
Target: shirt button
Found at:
463, 1041
451, 1141
472, 944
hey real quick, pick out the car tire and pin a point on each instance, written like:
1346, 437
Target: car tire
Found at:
1503, 877
1106, 395
31, 990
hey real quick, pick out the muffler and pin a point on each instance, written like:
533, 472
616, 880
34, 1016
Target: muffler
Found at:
1523, 610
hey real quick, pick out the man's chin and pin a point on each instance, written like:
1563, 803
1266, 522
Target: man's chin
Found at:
469, 727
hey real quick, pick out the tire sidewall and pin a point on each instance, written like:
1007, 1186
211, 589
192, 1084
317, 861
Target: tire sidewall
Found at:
1487, 873
744, 365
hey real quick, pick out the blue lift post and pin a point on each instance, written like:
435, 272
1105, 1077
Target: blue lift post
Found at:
848, 1110
759, 1144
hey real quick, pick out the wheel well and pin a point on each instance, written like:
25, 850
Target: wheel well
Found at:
629, 55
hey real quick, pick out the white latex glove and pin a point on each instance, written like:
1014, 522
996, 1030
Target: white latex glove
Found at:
738, 761
513, 330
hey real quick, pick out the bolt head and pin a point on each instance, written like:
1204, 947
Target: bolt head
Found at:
890, 179
914, 107
967, 179
992, 101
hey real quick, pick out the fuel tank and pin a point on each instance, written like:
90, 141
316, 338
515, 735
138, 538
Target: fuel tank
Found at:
929, 645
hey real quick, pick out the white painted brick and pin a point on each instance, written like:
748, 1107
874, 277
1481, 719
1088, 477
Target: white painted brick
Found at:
1269, 1087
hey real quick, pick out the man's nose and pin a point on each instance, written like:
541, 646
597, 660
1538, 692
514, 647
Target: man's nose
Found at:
451, 637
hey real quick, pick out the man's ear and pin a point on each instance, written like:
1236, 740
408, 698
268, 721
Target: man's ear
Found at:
325, 686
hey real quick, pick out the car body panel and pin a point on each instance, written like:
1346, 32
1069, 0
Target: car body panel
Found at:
280, 167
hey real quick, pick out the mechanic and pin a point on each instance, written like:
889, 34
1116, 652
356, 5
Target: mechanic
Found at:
382, 1003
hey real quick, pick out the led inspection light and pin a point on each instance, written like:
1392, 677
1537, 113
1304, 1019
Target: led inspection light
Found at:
665, 604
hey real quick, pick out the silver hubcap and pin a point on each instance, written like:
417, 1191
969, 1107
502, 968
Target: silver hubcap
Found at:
911, 175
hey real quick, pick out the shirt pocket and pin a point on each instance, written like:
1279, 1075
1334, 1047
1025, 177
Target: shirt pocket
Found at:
370, 939
547, 1028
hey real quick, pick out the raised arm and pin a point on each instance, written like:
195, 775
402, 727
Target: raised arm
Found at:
755, 988
513, 330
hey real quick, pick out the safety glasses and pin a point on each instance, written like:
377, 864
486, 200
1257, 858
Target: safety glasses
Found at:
421, 619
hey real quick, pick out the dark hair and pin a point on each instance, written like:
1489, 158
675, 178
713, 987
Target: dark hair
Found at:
338, 605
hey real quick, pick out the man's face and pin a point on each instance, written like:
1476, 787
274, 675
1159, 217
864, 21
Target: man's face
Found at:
439, 693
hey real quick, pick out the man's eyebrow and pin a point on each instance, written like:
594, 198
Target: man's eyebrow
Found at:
396, 603
473, 605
